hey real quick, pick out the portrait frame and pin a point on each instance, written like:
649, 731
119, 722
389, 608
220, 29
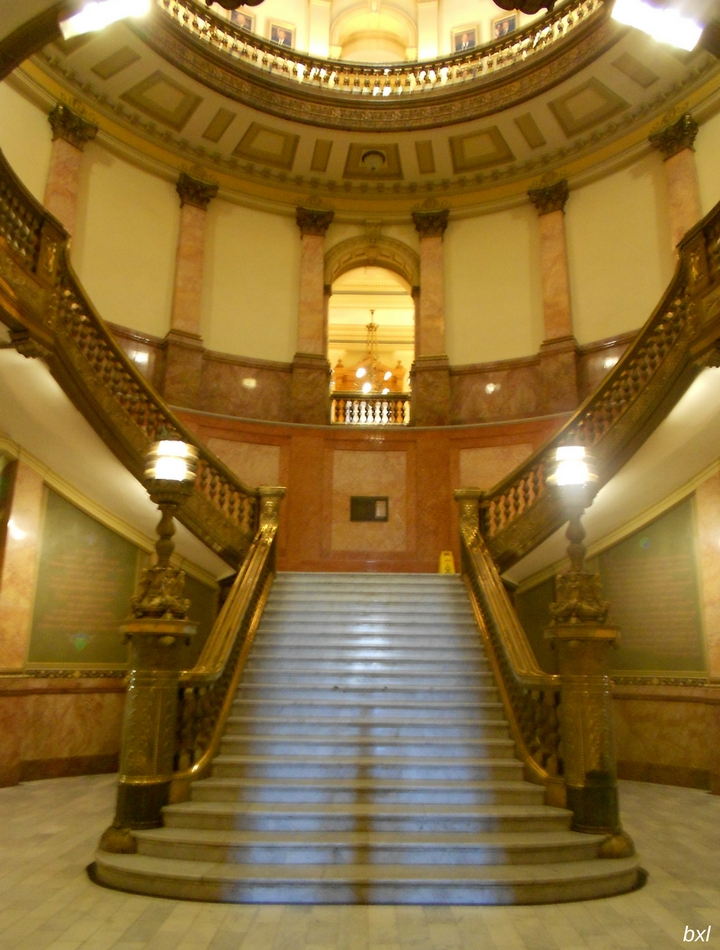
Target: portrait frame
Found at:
242, 20
505, 25
281, 33
472, 31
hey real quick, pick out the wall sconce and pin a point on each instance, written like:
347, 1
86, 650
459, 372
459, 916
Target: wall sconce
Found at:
170, 469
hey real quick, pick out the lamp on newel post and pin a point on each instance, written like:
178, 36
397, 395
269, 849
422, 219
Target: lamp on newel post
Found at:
158, 627
582, 638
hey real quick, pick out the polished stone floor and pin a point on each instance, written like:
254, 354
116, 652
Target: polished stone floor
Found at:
50, 828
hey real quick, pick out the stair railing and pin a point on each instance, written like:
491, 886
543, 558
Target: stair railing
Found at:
530, 696
50, 317
676, 343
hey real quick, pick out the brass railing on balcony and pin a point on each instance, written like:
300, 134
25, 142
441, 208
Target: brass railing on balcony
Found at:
373, 409
378, 81
679, 339
49, 316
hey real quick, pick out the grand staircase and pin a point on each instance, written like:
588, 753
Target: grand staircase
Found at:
367, 760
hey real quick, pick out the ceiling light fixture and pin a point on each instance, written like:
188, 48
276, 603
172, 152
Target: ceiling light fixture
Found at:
664, 23
97, 14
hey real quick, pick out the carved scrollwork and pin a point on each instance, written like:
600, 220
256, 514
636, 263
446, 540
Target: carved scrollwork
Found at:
578, 599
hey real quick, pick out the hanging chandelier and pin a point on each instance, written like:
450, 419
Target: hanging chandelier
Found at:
372, 375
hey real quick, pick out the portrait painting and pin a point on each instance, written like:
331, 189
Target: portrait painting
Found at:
283, 34
505, 25
243, 20
464, 38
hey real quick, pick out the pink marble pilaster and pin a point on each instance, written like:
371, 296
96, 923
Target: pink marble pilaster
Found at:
675, 144
19, 568
312, 318
430, 326
557, 314
70, 133
707, 500
189, 261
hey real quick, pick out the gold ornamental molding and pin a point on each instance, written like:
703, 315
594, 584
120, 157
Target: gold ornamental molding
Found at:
373, 250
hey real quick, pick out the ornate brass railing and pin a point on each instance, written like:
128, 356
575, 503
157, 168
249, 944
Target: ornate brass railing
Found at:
678, 340
531, 697
373, 409
378, 81
49, 316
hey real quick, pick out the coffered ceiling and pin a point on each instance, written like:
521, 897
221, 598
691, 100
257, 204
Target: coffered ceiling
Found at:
151, 105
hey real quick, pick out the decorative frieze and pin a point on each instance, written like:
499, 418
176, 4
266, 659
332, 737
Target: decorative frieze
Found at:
313, 222
430, 223
194, 192
674, 138
551, 198
70, 127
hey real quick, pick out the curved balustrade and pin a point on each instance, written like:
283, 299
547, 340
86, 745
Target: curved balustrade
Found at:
673, 346
373, 409
383, 80
49, 315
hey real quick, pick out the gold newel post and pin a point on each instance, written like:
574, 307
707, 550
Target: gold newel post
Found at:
157, 628
582, 640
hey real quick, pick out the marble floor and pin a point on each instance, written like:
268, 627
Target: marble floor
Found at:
47, 902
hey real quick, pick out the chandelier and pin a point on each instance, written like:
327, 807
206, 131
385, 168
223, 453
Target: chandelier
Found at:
372, 375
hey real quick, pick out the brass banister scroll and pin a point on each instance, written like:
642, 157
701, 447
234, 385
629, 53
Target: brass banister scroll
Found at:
530, 696
49, 316
675, 344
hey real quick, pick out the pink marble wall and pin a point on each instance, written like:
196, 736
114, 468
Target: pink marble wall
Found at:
311, 309
554, 271
253, 462
19, 569
363, 472
707, 500
683, 193
430, 328
249, 389
485, 467
61, 189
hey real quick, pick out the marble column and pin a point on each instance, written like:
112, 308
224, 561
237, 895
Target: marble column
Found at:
558, 384
183, 344
69, 134
310, 392
19, 565
675, 144
430, 372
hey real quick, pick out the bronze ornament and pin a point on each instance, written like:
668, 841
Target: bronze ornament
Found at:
68, 125
194, 192
550, 198
676, 137
311, 221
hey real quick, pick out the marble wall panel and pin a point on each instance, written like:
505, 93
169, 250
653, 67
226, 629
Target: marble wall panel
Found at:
369, 473
707, 500
247, 389
485, 467
254, 463
65, 725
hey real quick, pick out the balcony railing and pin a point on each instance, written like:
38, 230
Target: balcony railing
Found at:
374, 409
378, 81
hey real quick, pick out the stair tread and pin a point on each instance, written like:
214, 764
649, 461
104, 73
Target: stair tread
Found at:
362, 761
372, 783
365, 809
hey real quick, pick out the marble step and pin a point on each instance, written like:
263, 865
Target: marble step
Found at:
339, 817
342, 676
351, 693
321, 662
350, 597
350, 766
375, 847
318, 579
366, 884
366, 709
359, 726
367, 791
435, 655
425, 610
364, 746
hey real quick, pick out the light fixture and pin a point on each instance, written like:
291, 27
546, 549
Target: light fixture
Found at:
572, 467
388, 375
367, 388
664, 23
373, 160
170, 461
97, 14
360, 372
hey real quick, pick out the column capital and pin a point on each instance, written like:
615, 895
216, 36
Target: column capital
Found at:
551, 198
194, 192
313, 222
68, 125
430, 223
674, 138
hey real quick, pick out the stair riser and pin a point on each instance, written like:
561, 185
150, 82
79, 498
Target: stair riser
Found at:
434, 658
399, 824
422, 694
376, 854
365, 711
322, 664
410, 731
317, 796
510, 771
404, 629
318, 678
240, 745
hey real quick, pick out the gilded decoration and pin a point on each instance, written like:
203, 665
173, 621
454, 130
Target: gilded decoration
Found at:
676, 137
551, 198
194, 192
70, 127
578, 599
430, 223
313, 222
372, 249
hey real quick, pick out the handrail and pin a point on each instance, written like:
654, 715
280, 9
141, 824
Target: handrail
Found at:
377, 81
49, 315
614, 421
531, 697
370, 409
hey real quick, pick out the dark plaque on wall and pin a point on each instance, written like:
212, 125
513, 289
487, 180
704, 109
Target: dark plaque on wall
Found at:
368, 508
86, 577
